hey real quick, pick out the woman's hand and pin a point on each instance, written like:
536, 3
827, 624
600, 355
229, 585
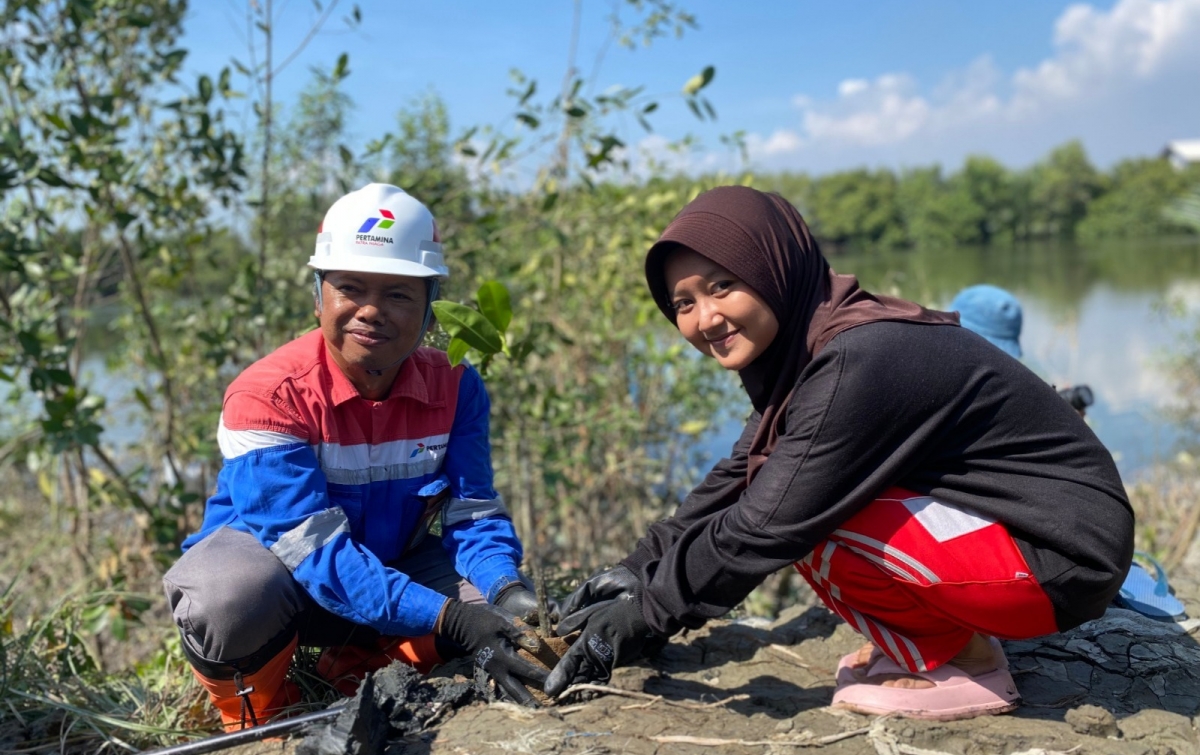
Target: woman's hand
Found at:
613, 633
607, 611
608, 584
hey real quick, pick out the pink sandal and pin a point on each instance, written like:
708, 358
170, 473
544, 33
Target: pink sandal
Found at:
955, 694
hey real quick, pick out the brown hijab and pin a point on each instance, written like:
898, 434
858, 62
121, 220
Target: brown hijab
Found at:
762, 239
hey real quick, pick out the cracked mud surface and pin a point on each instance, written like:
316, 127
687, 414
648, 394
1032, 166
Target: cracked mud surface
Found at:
1120, 685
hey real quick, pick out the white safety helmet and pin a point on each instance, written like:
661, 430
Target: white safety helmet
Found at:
380, 229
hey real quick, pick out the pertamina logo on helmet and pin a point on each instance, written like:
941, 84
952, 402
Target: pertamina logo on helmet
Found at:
364, 235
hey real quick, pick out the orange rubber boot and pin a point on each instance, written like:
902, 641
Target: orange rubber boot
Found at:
250, 700
344, 667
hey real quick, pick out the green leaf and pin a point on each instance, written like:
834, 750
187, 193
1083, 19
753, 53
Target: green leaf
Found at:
699, 81
693, 427
342, 69
205, 87
174, 58
495, 304
50, 178
61, 377
528, 92
528, 119
457, 349
57, 121
30, 343
143, 399
118, 626
468, 325
576, 112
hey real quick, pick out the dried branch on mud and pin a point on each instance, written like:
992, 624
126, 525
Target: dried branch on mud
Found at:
808, 741
647, 696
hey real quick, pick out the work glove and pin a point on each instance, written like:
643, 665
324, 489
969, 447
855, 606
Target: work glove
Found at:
488, 634
520, 602
606, 584
612, 633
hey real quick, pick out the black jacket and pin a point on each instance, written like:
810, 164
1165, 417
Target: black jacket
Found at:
936, 410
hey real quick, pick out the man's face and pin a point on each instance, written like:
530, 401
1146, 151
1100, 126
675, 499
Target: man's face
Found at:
370, 320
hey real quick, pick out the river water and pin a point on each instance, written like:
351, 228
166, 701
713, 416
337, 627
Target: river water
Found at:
1099, 315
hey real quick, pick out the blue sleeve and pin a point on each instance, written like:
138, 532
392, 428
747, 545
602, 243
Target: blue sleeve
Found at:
279, 495
478, 531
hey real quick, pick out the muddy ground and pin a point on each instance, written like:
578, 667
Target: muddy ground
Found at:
1121, 685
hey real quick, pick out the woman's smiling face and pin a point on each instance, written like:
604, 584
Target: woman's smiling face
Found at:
716, 311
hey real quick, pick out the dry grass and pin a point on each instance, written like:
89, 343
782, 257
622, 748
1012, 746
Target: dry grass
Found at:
1166, 504
89, 660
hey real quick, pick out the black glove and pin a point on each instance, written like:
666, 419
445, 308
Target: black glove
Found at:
614, 633
603, 585
488, 634
520, 602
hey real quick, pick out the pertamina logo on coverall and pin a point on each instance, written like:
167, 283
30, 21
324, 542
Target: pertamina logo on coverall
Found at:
433, 449
364, 235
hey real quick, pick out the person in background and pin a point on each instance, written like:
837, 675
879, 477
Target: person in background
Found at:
996, 315
888, 459
355, 509
993, 313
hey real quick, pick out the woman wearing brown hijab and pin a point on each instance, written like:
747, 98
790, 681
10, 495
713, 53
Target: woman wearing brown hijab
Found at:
933, 491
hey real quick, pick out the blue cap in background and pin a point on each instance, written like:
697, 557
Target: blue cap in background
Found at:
993, 313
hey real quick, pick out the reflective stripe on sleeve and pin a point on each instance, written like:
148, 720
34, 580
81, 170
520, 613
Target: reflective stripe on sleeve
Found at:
460, 510
313, 533
234, 443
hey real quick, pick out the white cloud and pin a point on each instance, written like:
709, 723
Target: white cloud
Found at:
780, 142
851, 87
1105, 65
884, 111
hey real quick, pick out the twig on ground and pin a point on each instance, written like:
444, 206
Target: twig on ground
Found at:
808, 742
693, 706
790, 654
647, 696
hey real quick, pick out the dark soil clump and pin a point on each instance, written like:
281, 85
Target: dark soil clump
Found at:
395, 703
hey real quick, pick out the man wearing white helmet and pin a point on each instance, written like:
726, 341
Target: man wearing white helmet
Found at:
355, 509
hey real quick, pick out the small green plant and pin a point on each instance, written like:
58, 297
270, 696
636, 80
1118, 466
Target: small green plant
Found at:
482, 330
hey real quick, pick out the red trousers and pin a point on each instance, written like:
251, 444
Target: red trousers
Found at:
918, 577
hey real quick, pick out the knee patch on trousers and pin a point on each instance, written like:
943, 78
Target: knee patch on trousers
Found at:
230, 597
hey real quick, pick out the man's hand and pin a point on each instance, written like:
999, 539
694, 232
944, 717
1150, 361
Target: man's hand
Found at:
489, 635
608, 584
520, 602
614, 633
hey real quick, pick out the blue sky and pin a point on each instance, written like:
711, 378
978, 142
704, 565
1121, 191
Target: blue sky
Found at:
816, 86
